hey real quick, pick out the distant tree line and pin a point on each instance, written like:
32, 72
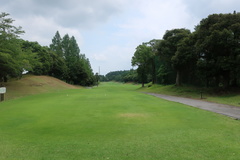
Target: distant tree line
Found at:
209, 56
120, 76
61, 60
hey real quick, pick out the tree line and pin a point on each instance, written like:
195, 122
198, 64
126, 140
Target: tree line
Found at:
120, 76
209, 56
62, 59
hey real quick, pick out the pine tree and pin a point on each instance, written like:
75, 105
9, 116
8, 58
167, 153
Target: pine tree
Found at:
56, 45
78, 69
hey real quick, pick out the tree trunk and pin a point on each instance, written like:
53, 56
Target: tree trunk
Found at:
178, 78
153, 72
5, 79
234, 82
143, 79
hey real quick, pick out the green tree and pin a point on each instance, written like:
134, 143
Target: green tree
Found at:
7, 30
59, 68
86, 75
79, 70
184, 60
141, 59
41, 60
71, 53
56, 45
69, 63
131, 76
30, 58
167, 51
10, 49
217, 45
116, 76
154, 58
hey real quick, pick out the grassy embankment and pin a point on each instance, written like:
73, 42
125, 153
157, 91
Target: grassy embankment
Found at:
112, 121
30, 85
230, 98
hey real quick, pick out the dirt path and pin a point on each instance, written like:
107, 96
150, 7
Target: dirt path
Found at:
231, 111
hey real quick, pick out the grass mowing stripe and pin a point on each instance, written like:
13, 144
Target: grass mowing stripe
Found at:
112, 121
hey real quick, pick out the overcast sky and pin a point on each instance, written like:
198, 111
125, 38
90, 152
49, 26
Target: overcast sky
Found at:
108, 31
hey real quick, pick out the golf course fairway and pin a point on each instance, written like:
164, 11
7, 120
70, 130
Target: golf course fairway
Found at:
112, 122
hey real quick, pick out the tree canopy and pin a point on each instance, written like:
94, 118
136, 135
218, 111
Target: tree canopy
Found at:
62, 59
77, 68
209, 56
142, 58
11, 63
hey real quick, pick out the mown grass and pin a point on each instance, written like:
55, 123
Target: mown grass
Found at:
112, 121
208, 94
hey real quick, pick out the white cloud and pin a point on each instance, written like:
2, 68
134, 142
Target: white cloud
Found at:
108, 31
100, 57
112, 58
79, 13
154, 18
43, 29
200, 9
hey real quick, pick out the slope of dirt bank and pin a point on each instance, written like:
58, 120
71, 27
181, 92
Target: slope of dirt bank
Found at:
31, 84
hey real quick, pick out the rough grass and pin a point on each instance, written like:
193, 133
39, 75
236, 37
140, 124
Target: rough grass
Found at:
230, 98
30, 85
112, 121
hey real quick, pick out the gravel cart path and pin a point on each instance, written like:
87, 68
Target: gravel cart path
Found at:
231, 111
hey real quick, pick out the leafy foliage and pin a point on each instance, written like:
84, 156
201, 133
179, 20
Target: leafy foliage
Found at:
10, 50
217, 44
76, 68
141, 58
209, 56
121, 76
172, 52
62, 60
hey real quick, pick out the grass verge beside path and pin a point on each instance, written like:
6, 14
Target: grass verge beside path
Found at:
232, 98
112, 121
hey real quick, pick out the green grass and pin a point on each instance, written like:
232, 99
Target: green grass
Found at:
209, 94
112, 121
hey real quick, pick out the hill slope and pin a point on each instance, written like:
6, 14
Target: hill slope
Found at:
31, 84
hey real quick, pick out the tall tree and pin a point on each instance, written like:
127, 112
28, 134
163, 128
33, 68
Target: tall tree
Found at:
153, 59
56, 45
141, 59
10, 50
218, 48
7, 30
168, 49
185, 58
59, 68
42, 60
75, 67
65, 45
71, 53
78, 69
